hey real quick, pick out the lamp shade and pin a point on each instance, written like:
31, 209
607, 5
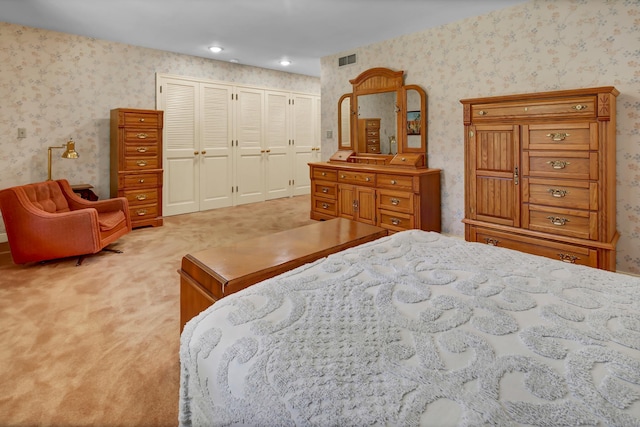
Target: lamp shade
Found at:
70, 152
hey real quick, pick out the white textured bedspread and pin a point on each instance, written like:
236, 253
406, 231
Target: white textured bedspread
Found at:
419, 329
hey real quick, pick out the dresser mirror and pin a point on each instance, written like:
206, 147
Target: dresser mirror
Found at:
383, 118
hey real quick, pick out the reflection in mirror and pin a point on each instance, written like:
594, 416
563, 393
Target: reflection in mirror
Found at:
382, 107
344, 122
414, 120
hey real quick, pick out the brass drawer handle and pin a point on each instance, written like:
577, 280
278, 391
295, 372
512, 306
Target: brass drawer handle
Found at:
141, 180
558, 164
555, 220
141, 163
395, 221
568, 258
141, 149
343, 176
142, 135
323, 174
325, 190
394, 182
325, 206
141, 197
579, 107
142, 119
141, 212
367, 179
482, 113
491, 242
557, 193
559, 136
394, 201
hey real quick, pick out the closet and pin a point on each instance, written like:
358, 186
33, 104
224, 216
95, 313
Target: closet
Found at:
229, 144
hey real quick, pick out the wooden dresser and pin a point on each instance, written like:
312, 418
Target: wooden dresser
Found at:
540, 174
136, 163
369, 136
394, 198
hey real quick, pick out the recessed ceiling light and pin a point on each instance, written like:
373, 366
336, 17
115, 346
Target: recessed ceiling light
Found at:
285, 62
216, 49
234, 60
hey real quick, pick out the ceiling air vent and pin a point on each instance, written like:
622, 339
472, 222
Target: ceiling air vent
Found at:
350, 59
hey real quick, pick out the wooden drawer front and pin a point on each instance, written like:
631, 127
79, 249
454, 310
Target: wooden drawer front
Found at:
396, 182
561, 222
140, 119
396, 221
562, 137
359, 178
373, 134
395, 201
140, 180
531, 245
584, 107
574, 165
142, 148
140, 136
373, 148
140, 163
325, 206
325, 174
327, 190
562, 193
139, 213
142, 197
375, 123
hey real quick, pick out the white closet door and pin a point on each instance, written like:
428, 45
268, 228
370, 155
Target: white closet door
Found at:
215, 159
178, 99
303, 132
316, 154
249, 156
277, 145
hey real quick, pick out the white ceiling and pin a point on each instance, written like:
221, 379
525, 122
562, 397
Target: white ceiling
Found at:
255, 32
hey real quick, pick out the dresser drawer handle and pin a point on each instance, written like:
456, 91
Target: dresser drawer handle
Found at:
558, 164
325, 206
557, 220
141, 197
325, 190
394, 201
141, 149
141, 163
557, 193
491, 242
559, 136
579, 107
141, 212
394, 182
482, 113
323, 174
367, 179
343, 176
141, 180
395, 221
568, 258
142, 135
142, 119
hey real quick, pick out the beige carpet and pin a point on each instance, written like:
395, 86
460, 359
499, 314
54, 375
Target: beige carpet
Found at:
98, 344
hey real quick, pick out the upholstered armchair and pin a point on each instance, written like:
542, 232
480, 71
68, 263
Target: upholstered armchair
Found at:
47, 220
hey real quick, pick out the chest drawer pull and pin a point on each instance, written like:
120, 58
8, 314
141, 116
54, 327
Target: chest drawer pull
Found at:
324, 174
343, 176
394, 201
557, 193
394, 182
141, 149
558, 164
141, 163
491, 242
142, 135
568, 258
142, 119
395, 221
141, 212
579, 107
325, 190
325, 206
141, 197
559, 136
367, 179
555, 220
141, 180
482, 113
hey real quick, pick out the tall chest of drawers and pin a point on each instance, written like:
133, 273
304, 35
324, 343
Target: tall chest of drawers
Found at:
136, 163
540, 174
369, 134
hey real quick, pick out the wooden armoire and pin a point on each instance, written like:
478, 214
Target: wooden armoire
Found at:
540, 174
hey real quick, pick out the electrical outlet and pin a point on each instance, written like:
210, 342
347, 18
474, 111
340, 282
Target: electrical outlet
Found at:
22, 133
329, 134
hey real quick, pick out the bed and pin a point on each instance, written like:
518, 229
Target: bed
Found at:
418, 328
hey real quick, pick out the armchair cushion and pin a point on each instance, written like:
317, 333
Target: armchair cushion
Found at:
47, 220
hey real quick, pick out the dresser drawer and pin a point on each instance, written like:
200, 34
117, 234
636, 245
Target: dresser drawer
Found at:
560, 164
140, 163
372, 123
142, 196
358, 178
328, 190
561, 222
396, 220
583, 106
569, 194
325, 206
373, 148
396, 201
142, 148
137, 135
141, 119
561, 137
396, 182
141, 180
325, 174
555, 250
143, 212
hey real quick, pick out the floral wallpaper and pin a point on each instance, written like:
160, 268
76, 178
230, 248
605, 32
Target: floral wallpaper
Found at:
59, 86
541, 45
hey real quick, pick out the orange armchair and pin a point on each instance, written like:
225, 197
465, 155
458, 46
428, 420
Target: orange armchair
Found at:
47, 220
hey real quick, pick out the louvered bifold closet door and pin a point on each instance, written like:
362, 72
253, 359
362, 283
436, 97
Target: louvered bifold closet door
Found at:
304, 140
278, 165
249, 137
